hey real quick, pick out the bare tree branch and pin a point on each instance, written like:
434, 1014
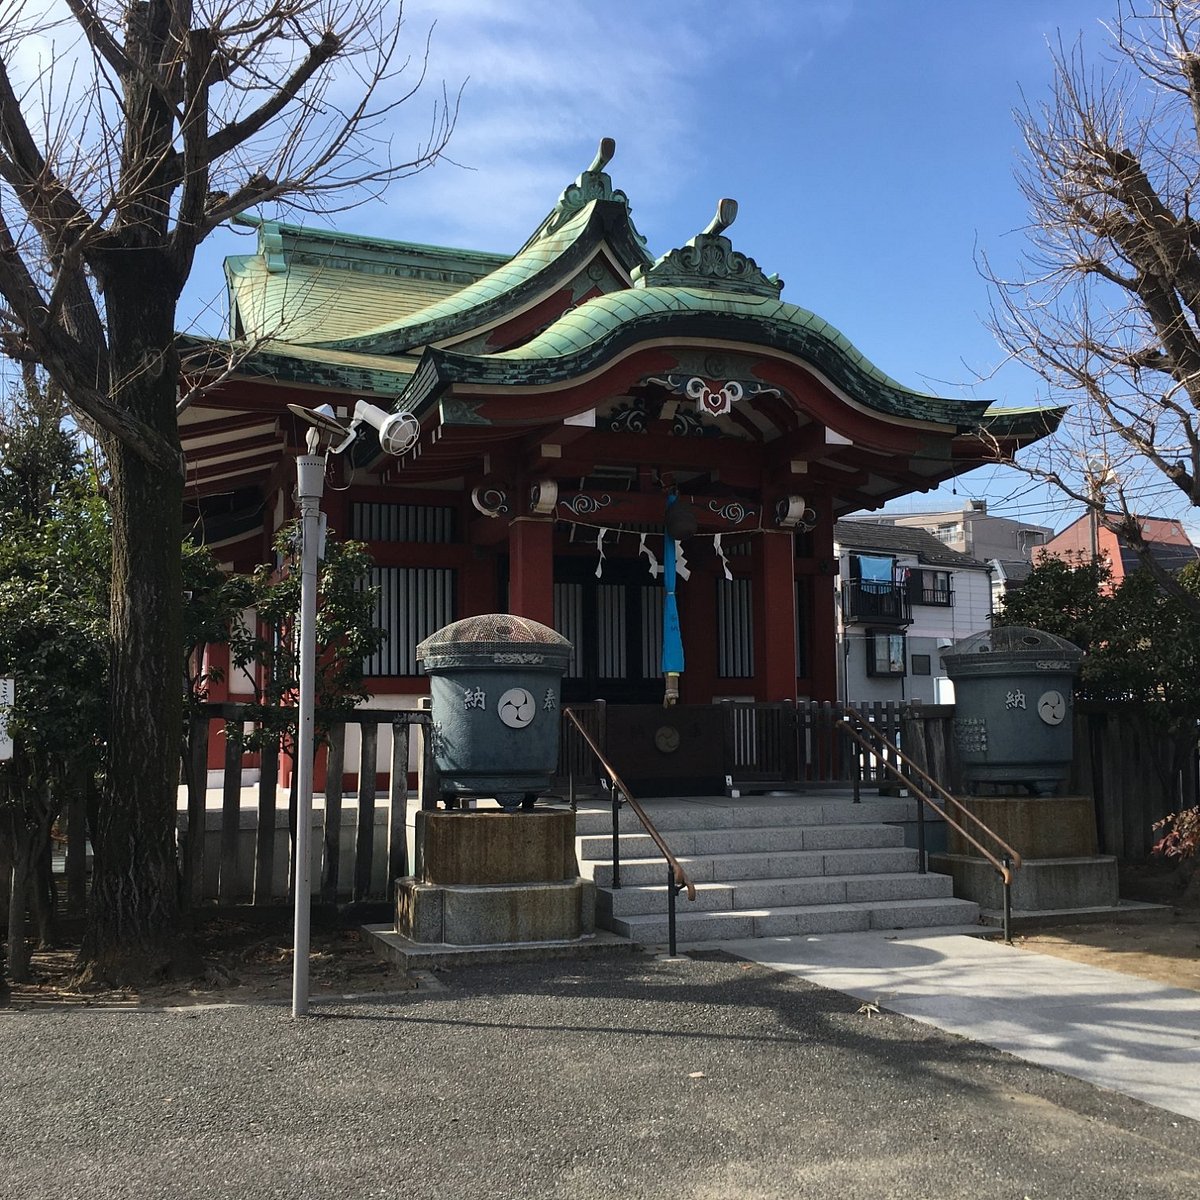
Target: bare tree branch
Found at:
1107, 308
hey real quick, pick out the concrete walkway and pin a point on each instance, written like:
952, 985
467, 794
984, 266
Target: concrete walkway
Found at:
610, 1078
1130, 1035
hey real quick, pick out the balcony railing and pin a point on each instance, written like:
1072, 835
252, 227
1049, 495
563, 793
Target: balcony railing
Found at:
938, 597
875, 602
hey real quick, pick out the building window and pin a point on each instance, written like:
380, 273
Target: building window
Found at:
402, 523
735, 629
877, 591
885, 653
930, 587
922, 664
410, 603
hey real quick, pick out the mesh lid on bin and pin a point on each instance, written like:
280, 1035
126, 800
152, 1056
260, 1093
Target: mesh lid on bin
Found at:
1016, 639
1010, 649
499, 639
501, 628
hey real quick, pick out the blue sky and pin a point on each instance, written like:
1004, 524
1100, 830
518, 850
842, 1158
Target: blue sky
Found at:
870, 145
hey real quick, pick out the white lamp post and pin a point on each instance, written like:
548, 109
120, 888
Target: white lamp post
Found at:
310, 486
398, 433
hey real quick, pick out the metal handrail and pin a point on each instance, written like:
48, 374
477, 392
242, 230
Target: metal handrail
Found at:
883, 749
677, 879
921, 774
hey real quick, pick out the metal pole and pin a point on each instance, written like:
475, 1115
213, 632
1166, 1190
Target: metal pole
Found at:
921, 859
1007, 900
310, 484
616, 837
671, 890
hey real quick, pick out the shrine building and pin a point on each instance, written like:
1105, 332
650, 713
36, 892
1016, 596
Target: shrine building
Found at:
568, 396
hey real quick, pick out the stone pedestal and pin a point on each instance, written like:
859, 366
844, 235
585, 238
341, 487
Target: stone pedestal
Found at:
487, 878
1035, 826
1056, 838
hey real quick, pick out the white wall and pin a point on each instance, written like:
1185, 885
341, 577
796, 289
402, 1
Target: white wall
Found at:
970, 613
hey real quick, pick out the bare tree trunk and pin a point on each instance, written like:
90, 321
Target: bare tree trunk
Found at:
132, 933
6, 850
24, 842
43, 895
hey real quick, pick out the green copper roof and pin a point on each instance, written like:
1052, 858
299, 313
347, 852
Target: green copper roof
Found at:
309, 285
599, 328
1030, 421
281, 362
592, 184
543, 262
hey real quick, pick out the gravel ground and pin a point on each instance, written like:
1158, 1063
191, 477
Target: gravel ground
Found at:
607, 1077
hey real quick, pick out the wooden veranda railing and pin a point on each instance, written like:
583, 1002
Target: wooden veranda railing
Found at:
769, 745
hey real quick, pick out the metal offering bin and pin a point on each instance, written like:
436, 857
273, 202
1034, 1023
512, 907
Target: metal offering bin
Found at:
1013, 707
495, 684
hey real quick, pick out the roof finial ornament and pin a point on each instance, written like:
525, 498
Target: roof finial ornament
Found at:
709, 261
608, 147
592, 184
725, 216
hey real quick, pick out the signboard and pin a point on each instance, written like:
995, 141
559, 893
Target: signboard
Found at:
8, 690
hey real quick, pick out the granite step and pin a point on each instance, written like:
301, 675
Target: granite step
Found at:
791, 866
725, 868
757, 839
793, 920
776, 893
731, 814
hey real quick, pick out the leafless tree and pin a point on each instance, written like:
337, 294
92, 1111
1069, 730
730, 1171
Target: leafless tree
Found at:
1107, 309
129, 130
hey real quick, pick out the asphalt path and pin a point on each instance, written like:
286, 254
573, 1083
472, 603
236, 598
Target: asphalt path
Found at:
618, 1077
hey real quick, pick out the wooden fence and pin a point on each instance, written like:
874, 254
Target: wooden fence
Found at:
237, 850
1136, 771
240, 852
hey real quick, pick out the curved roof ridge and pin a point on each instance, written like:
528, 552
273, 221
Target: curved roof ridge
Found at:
781, 325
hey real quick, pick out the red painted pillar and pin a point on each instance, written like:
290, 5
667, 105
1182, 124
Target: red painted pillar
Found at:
531, 569
776, 603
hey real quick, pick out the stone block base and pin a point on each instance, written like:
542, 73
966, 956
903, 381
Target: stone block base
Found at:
1035, 826
1040, 884
484, 915
473, 846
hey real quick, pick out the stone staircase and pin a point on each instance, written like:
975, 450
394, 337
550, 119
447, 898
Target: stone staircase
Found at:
765, 867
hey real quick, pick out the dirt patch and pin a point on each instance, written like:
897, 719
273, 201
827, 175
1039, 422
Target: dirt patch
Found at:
1166, 950
1167, 953
245, 961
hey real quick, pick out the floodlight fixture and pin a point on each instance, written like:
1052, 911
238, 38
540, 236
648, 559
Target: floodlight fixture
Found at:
398, 432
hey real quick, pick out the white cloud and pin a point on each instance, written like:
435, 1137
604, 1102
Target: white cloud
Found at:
544, 82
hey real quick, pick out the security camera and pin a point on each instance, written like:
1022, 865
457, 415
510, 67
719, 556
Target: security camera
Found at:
398, 432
